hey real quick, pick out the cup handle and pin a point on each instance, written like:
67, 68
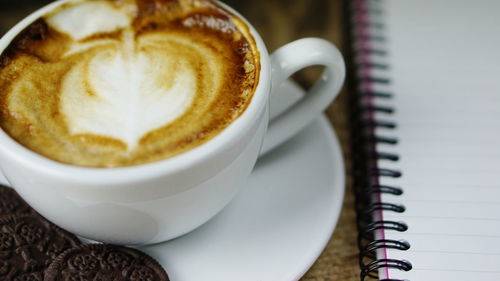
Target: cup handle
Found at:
285, 62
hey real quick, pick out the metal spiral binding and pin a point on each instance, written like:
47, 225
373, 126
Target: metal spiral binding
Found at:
370, 269
367, 41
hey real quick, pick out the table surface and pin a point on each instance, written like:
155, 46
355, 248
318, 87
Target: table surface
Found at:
279, 22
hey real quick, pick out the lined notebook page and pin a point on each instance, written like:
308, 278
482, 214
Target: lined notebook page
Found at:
445, 73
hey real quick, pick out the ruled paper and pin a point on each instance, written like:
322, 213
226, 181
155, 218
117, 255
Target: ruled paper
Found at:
445, 76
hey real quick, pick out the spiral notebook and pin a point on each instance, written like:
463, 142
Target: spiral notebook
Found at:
427, 127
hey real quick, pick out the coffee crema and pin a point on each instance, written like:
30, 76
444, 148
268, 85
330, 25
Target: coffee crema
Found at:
112, 83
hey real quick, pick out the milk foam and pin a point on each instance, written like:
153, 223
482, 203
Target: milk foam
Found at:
89, 18
128, 88
125, 94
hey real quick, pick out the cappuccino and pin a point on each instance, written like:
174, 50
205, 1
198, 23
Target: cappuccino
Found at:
113, 83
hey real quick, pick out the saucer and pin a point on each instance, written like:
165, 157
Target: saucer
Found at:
279, 222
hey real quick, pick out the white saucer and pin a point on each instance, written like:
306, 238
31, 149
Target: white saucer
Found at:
278, 224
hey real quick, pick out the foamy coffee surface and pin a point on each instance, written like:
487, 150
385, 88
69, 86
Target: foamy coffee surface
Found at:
109, 83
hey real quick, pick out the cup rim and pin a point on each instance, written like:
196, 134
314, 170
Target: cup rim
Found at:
102, 176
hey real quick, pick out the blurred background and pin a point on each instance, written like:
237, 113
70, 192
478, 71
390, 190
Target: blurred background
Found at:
280, 22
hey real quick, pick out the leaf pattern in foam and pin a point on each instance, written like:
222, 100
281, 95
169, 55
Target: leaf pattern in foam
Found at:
122, 93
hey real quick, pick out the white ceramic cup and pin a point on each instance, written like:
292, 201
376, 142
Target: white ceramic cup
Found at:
156, 202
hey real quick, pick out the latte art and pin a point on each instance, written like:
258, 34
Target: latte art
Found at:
148, 84
117, 83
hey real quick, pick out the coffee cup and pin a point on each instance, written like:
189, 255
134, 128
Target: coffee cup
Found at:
155, 202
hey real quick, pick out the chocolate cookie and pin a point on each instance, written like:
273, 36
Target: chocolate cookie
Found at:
28, 244
105, 262
11, 203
